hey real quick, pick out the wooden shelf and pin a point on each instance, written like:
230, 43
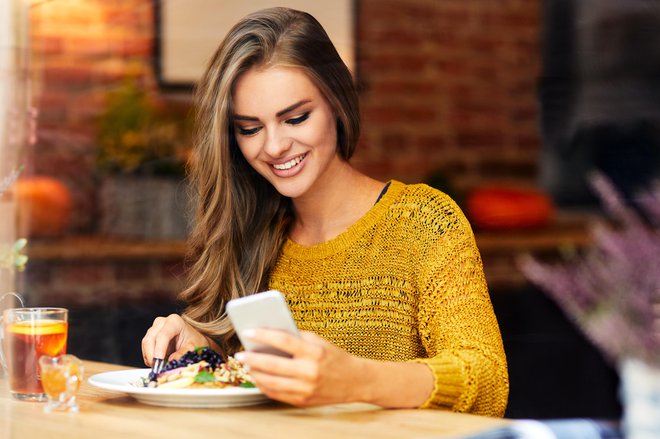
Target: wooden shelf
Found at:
568, 229
499, 249
530, 241
95, 247
98, 248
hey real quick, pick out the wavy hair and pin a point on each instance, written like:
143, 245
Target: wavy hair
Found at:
241, 221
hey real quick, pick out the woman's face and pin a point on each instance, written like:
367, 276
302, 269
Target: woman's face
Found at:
285, 128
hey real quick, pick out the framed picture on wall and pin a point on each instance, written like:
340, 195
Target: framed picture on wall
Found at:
189, 31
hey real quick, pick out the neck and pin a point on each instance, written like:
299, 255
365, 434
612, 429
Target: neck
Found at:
333, 205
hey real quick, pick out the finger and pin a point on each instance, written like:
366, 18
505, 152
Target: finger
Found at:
301, 369
168, 333
269, 363
149, 339
279, 384
281, 340
184, 348
312, 337
284, 389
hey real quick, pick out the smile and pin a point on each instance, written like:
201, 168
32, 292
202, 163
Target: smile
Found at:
290, 164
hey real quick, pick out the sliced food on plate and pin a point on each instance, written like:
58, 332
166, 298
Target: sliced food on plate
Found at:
200, 368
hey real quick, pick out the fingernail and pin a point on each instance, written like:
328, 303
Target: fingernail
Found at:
249, 333
240, 356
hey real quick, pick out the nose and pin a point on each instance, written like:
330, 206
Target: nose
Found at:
277, 144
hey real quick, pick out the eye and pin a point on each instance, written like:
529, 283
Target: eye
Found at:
248, 131
297, 120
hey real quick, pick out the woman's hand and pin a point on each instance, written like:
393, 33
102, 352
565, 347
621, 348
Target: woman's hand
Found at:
170, 337
318, 373
321, 373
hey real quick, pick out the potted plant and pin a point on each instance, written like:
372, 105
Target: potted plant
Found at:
11, 256
142, 151
612, 292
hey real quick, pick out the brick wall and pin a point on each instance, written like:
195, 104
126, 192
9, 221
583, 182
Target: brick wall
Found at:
449, 86
80, 50
446, 86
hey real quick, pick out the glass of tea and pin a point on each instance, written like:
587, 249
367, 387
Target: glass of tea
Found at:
28, 334
61, 377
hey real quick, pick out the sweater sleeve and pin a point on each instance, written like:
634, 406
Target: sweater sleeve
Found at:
457, 323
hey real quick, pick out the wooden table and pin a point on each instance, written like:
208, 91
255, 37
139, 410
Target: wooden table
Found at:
106, 414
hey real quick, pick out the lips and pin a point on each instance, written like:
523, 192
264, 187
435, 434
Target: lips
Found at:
289, 164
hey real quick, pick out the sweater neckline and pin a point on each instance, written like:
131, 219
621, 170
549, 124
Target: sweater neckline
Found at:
348, 236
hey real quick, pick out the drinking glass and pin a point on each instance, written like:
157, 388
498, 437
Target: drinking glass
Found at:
27, 334
61, 377
4, 299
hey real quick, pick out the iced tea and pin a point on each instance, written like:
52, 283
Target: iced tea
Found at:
25, 340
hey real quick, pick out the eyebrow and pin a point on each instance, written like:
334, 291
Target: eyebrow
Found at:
280, 113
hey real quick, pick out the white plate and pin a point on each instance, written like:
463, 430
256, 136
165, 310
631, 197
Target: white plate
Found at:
123, 381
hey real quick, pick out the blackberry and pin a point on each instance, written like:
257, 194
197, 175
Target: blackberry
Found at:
210, 356
191, 357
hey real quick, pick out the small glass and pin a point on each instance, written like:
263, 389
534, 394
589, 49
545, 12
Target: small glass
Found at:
61, 377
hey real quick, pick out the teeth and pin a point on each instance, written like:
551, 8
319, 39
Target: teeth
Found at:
290, 164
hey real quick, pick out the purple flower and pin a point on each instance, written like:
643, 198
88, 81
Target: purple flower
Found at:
612, 289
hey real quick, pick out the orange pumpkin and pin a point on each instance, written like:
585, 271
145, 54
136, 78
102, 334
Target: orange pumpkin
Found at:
44, 206
508, 207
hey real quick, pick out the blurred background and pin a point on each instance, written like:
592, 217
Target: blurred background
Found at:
505, 105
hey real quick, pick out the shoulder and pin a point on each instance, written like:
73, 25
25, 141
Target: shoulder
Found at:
427, 205
422, 192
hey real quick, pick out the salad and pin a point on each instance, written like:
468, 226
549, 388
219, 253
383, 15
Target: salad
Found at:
200, 368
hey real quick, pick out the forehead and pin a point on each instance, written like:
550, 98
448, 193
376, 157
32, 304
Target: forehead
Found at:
270, 89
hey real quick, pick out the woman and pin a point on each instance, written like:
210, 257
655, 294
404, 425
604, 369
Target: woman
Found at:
384, 279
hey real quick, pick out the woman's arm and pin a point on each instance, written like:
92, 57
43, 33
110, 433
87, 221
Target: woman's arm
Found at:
457, 324
397, 385
322, 373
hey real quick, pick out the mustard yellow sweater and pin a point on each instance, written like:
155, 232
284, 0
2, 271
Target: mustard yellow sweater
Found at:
405, 283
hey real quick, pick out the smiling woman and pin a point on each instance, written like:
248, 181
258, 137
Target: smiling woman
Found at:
384, 279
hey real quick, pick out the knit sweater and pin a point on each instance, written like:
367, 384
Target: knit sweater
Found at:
405, 283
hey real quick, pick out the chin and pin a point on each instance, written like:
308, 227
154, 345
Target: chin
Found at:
289, 192
291, 189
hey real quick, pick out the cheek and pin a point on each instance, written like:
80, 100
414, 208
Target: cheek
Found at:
322, 135
249, 148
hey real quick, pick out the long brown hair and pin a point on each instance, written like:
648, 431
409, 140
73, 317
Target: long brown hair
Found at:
241, 221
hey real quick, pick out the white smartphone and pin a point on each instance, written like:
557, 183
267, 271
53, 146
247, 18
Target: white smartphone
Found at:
261, 310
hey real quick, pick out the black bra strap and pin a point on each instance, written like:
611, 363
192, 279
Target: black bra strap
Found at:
383, 192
